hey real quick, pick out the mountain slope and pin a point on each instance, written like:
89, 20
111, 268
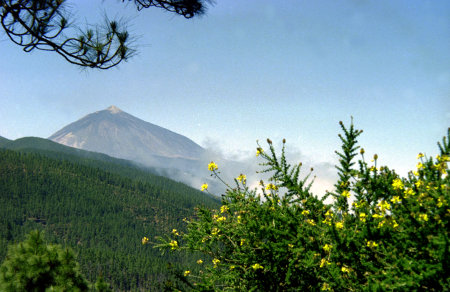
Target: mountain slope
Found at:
3, 141
56, 150
101, 215
124, 168
119, 134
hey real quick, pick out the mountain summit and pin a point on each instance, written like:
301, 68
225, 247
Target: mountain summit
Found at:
119, 134
114, 109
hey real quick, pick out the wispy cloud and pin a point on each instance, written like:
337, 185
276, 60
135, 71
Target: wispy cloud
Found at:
246, 162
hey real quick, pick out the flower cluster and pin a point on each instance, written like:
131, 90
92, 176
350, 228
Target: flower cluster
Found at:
212, 166
382, 232
204, 187
242, 178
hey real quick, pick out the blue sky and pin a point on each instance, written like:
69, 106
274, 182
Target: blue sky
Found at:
249, 70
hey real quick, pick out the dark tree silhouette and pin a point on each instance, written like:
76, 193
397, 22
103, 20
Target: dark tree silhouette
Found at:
45, 25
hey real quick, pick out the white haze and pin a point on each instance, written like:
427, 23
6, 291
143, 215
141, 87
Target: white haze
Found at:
246, 162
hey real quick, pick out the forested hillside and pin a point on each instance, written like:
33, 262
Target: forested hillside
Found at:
101, 214
54, 150
3, 141
102, 161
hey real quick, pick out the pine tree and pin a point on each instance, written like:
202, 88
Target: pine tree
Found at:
33, 265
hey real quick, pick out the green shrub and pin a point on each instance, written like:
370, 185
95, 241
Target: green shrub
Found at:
380, 233
33, 265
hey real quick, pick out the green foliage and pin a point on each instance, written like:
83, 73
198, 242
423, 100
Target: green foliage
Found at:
34, 266
97, 208
380, 233
3, 141
101, 285
45, 25
121, 167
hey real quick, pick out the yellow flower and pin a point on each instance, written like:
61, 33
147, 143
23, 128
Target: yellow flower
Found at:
175, 232
372, 244
373, 168
345, 269
429, 187
271, 187
173, 245
442, 164
325, 287
420, 165
394, 223
384, 206
324, 262
239, 218
215, 262
305, 212
257, 266
423, 217
259, 151
212, 166
345, 194
444, 158
204, 187
440, 202
242, 241
420, 155
381, 224
397, 184
327, 221
223, 209
362, 217
339, 225
222, 218
416, 173
396, 199
361, 151
215, 231
144, 240
290, 245
327, 247
408, 192
419, 183
311, 222
377, 216
242, 178
199, 262
186, 273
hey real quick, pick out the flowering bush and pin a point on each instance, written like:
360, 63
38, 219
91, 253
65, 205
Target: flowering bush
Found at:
394, 236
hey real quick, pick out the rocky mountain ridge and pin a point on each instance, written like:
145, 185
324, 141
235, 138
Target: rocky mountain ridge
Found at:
119, 134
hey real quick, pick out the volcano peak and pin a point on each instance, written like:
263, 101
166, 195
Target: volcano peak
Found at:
114, 109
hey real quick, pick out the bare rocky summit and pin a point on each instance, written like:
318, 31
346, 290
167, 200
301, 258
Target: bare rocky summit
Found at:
119, 134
